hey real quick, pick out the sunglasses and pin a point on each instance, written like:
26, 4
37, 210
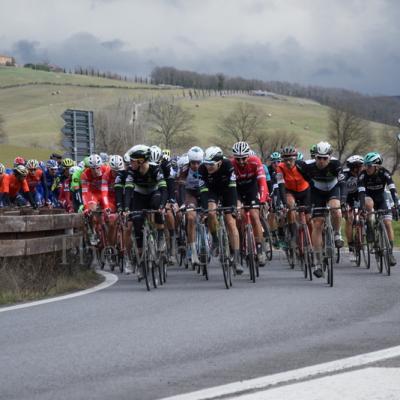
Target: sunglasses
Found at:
32, 169
321, 158
137, 159
210, 163
195, 162
241, 158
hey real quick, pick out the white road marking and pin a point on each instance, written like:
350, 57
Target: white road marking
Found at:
290, 376
369, 383
110, 280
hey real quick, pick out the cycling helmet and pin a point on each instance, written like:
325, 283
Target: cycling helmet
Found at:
140, 151
126, 158
300, 156
289, 151
195, 154
21, 170
67, 163
155, 154
32, 164
19, 161
275, 156
73, 169
104, 157
117, 163
2, 168
86, 162
95, 161
313, 150
213, 154
167, 153
323, 149
51, 164
241, 149
354, 160
373, 158
182, 161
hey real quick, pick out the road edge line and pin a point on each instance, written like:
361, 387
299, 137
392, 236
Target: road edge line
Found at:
110, 279
264, 382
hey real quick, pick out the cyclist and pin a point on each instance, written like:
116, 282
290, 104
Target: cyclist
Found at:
15, 185
35, 178
324, 175
76, 189
95, 190
371, 187
354, 166
145, 188
219, 184
293, 188
64, 190
252, 188
19, 161
51, 172
4, 182
189, 183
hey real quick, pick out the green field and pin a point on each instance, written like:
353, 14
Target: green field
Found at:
32, 112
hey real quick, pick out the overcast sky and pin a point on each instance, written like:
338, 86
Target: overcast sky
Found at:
353, 44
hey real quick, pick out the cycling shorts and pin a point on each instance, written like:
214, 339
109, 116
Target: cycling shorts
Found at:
192, 198
95, 200
320, 198
248, 194
225, 198
302, 198
380, 203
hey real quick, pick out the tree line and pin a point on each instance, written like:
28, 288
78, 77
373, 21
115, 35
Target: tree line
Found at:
382, 109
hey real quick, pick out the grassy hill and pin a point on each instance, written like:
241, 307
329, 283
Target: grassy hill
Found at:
32, 112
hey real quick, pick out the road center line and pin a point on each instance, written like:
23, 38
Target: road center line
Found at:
110, 280
289, 376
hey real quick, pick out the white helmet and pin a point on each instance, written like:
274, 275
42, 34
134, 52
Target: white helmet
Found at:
213, 154
155, 155
195, 154
81, 164
73, 169
324, 149
182, 161
117, 163
104, 157
356, 159
241, 149
95, 161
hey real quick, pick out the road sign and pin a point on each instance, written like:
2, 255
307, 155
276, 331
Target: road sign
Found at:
78, 132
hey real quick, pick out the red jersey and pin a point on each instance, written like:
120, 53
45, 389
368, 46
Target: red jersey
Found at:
249, 172
292, 178
64, 195
4, 183
15, 185
34, 180
95, 185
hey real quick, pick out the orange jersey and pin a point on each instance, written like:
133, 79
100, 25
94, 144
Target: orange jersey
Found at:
291, 177
4, 183
15, 185
34, 180
96, 186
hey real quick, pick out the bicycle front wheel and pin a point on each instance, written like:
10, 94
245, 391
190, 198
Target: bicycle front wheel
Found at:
385, 246
250, 256
224, 257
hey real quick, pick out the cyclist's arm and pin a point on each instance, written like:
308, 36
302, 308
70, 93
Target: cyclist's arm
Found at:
119, 191
162, 186
342, 188
129, 188
392, 187
280, 180
262, 183
361, 190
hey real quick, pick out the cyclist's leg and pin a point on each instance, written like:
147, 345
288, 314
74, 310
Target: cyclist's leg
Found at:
381, 204
319, 199
291, 216
112, 225
336, 215
369, 206
212, 221
191, 202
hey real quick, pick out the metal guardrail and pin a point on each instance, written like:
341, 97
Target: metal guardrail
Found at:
28, 233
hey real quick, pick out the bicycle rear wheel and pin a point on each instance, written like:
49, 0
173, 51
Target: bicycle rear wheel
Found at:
385, 246
224, 257
250, 256
203, 250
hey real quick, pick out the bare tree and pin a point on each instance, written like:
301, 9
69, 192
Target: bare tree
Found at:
120, 126
169, 121
348, 133
281, 138
391, 149
244, 123
3, 135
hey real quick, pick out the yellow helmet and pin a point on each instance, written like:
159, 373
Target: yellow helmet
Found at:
67, 163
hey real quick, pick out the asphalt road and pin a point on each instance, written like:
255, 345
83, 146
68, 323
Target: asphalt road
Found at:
126, 343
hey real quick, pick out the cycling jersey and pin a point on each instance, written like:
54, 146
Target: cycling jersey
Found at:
36, 180
13, 186
110, 176
218, 185
4, 184
374, 186
251, 172
64, 197
292, 179
350, 187
188, 186
95, 188
169, 176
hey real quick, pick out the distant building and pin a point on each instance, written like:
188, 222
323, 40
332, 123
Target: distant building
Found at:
6, 60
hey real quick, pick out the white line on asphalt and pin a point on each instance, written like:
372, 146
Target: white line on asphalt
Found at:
289, 376
110, 280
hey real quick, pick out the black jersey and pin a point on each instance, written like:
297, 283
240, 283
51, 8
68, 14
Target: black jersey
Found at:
220, 180
374, 185
324, 179
350, 183
152, 180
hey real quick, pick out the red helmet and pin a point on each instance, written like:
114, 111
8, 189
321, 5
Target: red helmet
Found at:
19, 161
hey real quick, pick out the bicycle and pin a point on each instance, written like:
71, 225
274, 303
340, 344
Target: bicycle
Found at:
267, 245
360, 244
248, 243
304, 245
97, 235
382, 246
147, 259
328, 250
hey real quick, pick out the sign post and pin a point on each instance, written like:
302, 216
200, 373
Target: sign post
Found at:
79, 134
